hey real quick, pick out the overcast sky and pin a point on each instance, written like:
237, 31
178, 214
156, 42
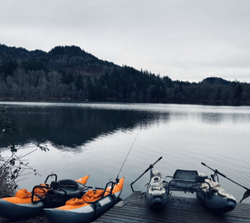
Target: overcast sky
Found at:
186, 40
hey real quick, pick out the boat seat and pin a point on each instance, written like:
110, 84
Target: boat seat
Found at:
71, 187
184, 180
185, 174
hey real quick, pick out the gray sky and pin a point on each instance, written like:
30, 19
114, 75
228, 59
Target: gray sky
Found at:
186, 40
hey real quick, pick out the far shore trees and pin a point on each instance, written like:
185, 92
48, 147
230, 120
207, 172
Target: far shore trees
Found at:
69, 73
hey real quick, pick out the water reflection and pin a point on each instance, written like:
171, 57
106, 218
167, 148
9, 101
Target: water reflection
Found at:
71, 126
212, 118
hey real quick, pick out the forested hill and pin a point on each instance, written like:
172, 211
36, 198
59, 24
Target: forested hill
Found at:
70, 73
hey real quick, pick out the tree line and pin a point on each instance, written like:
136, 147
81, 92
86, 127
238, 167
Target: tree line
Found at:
70, 73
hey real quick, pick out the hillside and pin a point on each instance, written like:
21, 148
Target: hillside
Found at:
70, 59
70, 73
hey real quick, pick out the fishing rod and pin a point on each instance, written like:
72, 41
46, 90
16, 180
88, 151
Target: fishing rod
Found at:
216, 171
117, 178
150, 167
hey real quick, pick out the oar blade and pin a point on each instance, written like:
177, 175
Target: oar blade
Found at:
245, 195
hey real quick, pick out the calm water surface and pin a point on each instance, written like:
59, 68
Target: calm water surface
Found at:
95, 138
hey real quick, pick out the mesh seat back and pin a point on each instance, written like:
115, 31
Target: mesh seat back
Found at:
185, 174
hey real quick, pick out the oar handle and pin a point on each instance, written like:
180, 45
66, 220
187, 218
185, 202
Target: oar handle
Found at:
150, 167
216, 171
156, 161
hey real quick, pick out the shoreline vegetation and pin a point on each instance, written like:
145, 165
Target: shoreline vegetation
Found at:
68, 73
13, 166
73, 100
70, 100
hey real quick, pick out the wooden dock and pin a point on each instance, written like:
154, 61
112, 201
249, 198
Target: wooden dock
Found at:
179, 209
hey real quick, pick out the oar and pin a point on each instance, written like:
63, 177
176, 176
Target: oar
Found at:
246, 194
150, 167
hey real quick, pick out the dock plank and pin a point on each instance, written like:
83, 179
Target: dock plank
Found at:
179, 209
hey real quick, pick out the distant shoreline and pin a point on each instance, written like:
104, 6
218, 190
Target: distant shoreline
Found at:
69, 100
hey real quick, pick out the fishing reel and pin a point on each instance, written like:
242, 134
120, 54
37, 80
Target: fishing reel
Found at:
215, 175
117, 180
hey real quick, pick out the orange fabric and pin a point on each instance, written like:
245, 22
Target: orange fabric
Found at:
83, 180
41, 190
118, 187
92, 195
74, 201
17, 200
23, 193
22, 196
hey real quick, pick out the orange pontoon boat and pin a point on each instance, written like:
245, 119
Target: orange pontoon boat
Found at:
27, 204
92, 204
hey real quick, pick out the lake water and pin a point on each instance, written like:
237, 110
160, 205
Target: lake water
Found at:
95, 139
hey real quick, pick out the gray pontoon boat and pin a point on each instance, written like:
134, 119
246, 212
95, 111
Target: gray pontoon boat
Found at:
156, 196
208, 190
